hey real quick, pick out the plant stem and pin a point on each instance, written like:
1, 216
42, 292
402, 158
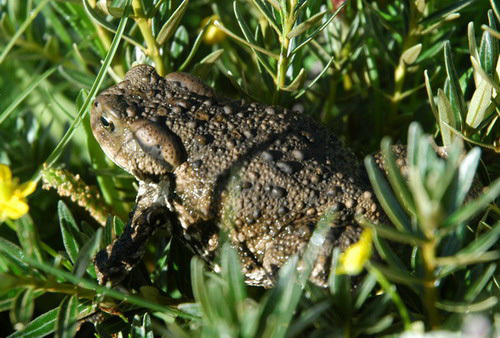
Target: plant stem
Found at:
283, 64
105, 38
145, 28
56, 287
283, 61
170, 307
430, 293
391, 291
103, 35
400, 72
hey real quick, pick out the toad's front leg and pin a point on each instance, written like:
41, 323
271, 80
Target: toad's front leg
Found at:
115, 262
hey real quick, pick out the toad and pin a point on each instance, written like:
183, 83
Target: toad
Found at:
264, 175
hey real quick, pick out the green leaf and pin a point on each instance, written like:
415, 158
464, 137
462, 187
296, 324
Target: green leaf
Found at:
471, 35
392, 233
297, 82
66, 319
386, 198
317, 31
44, 324
488, 50
231, 270
446, 118
496, 8
375, 30
314, 245
363, 290
118, 226
57, 24
282, 301
468, 259
200, 290
313, 82
495, 44
219, 25
479, 104
170, 26
370, 315
445, 188
307, 318
8, 291
142, 328
76, 77
17, 101
378, 326
431, 52
456, 97
439, 15
27, 235
263, 7
23, 307
471, 209
103, 23
480, 282
466, 174
87, 231
304, 26
340, 288
414, 135
250, 38
395, 177
484, 242
478, 246
69, 231
410, 55
203, 68
115, 12
86, 255
191, 308
179, 43
107, 237
388, 255
482, 76
430, 95
39, 327
399, 276
466, 307
195, 47
14, 255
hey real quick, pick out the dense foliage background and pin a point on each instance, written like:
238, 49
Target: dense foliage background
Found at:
365, 70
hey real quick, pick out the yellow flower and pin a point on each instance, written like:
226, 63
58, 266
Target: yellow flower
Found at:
13, 195
353, 259
213, 34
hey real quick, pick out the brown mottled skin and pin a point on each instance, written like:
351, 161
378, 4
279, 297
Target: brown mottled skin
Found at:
263, 174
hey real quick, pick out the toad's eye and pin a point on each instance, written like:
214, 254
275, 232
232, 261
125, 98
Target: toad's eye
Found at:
107, 124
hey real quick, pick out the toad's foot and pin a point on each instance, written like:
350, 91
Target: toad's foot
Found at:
115, 262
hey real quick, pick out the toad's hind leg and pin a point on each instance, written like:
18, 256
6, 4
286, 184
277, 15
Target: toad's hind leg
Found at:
115, 262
